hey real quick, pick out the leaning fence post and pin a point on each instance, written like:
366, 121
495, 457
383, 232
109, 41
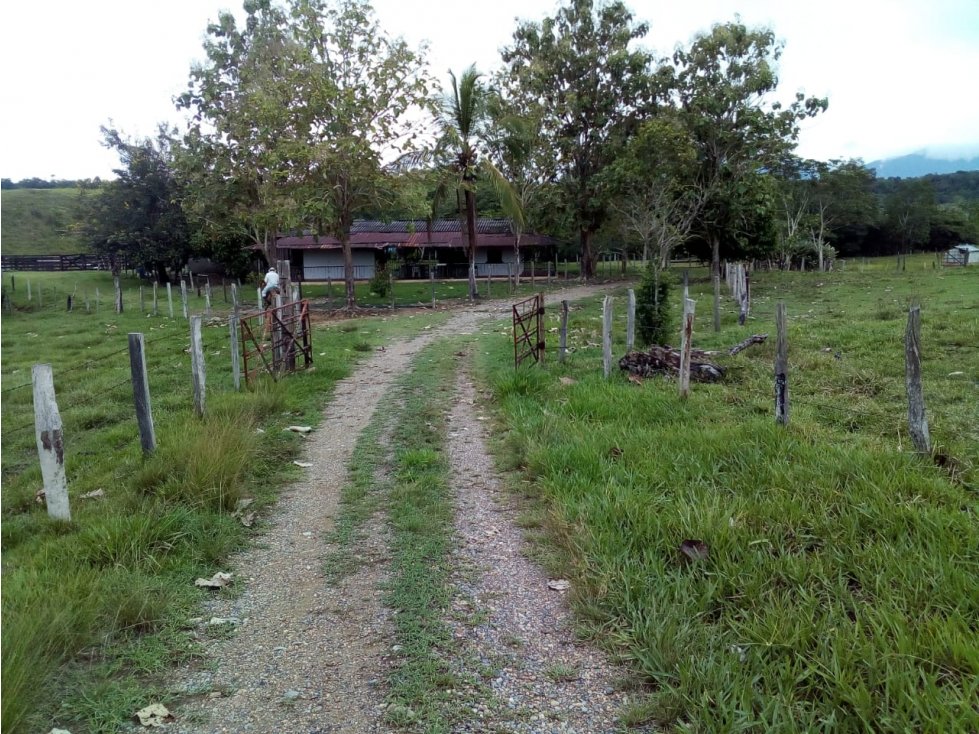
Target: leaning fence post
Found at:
607, 335
118, 294
183, 297
917, 421
563, 347
630, 324
141, 393
50, 443
235, 356
781, 366
197, 363
686, 344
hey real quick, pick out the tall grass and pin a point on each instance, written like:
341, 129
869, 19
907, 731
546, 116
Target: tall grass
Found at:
840, 592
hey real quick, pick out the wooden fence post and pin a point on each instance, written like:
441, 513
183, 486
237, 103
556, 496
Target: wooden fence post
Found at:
141, 392
563, 348
50, 443
183, 298
235, 306
197, 363
207, 299
917, 421
686, 344
607, 336
781, 366
170, 299
28, 291
118, 294
98, 301
630, 324
156, 299
261, 307
717, 301
235, 355
431, 278
142, 301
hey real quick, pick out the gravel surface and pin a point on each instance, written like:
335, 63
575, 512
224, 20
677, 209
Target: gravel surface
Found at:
542, 679
300, 656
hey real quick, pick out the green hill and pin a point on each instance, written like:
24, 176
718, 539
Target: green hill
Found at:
37, 221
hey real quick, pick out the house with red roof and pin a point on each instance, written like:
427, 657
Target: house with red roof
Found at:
415, 249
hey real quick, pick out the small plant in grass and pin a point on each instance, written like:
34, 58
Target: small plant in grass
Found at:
561, 673
380, 284
653, 306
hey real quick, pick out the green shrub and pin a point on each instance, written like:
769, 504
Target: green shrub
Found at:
653, 306
380, 284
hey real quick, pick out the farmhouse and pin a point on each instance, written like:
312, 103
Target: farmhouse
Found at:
415, 249
964, 254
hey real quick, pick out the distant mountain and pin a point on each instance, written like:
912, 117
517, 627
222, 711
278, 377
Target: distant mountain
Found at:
920, 164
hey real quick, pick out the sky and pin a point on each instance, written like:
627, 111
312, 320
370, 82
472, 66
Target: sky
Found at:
900, 75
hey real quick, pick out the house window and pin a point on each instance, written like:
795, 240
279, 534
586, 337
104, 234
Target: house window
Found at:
494, 256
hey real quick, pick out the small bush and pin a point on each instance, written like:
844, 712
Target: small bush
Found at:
380, 284
653, 306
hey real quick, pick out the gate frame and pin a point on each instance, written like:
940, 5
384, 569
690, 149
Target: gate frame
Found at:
291, 339
524, 311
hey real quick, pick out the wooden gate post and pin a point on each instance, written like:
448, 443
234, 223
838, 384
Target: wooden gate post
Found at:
141, 393
781, 366
630, 326
686, 344
563, 344
917, 421
233, 334
197, 363
50, 443
607, 336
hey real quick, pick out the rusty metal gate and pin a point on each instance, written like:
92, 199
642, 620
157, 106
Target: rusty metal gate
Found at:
276, 341
528, 329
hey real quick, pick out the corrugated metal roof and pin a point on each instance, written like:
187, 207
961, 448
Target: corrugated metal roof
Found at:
371, 234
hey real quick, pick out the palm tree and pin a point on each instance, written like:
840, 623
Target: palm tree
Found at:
463, 121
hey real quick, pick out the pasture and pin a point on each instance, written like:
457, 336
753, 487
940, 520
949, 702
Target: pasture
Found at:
839, 585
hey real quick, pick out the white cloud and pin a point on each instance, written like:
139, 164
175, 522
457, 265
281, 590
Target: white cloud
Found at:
899, 74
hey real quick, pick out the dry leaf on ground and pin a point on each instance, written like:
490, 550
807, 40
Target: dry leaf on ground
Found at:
155, 714
217, 581
559, 584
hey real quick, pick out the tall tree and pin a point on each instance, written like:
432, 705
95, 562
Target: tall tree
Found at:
723, 85
353, 111
461, 153
580, 70
909, 212
237, 156
138, 217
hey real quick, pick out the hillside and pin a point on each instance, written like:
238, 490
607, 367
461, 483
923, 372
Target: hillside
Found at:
920, 164
37, 221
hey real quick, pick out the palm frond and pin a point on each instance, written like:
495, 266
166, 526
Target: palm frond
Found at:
505, 193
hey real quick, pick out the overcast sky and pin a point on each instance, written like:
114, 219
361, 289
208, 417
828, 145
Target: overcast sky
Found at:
901, 75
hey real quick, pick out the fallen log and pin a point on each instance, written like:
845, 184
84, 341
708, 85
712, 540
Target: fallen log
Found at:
666, 360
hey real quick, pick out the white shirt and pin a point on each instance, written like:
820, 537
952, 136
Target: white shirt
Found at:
271, 279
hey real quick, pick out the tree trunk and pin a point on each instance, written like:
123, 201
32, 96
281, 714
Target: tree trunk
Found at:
516, 260
161, 272
348, 270
471, 225
587, 259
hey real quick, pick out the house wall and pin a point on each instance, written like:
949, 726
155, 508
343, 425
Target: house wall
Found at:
328, 264
483, 267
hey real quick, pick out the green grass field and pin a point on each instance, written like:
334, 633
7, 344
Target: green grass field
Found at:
96, 608
841, 589
37, 221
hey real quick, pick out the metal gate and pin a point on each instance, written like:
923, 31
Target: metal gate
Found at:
276, 341
528, 329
